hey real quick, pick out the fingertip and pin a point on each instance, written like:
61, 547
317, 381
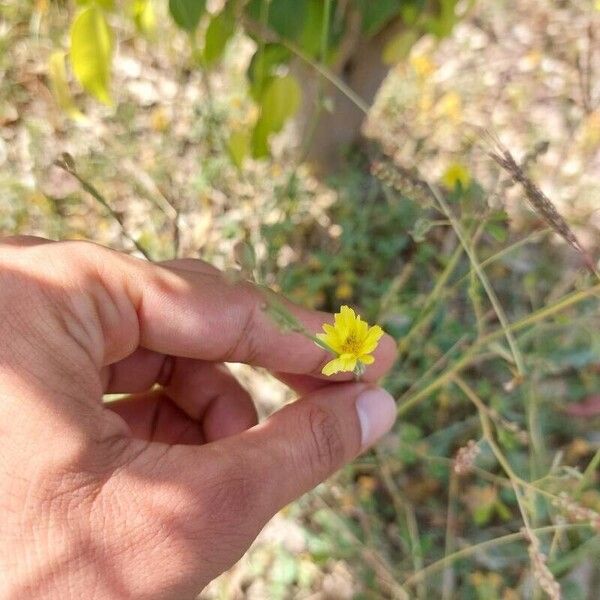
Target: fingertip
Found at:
386, 353
376, 409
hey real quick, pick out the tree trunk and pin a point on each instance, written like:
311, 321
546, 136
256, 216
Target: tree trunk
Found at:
331, 133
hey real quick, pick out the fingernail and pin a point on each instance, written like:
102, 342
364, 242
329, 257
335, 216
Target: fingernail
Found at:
376, 412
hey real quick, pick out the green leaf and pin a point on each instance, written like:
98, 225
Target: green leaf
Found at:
441, 26
399, 46
376, 15
91, 52
280, 100
263, 66
310, 37
187, 13
285, 17
260, 139
238, 147
497, 230
107, 4
483, 513
219, 31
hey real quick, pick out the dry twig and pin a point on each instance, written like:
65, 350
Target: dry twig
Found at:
540, 202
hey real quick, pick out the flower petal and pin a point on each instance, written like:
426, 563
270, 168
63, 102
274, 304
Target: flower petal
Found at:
344, 321
328, 328
362, 328
348, 362
366, 359
331, 339
332, 367
375, 332
347, 312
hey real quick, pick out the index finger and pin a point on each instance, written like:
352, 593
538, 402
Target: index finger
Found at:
231, 322
198, 313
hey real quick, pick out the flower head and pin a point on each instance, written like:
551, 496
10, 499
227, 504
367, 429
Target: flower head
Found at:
352, 340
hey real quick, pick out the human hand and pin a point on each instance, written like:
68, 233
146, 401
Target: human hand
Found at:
154, 495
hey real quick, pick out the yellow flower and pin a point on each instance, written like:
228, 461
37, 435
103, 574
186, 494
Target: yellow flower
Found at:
455, 174
352, 340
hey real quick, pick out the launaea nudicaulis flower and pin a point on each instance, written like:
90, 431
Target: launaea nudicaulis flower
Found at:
351, 340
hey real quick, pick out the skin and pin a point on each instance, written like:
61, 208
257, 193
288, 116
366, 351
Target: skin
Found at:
154, 495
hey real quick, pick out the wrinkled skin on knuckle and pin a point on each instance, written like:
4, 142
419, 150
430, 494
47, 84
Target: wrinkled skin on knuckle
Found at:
69, 290
326, 450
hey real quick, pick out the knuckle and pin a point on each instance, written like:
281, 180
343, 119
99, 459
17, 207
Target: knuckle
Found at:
327, 449
84, 254
247, 345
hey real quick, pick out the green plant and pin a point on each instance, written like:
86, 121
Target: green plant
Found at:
313, 31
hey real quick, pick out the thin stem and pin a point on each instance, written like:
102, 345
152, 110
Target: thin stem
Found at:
589, 472
535, 431
66, 165
314, 120
448, 581
478, 548
507, 250
488, 434
491, 477
518, 357
403, 507
371, 556
471, 354
397, 284
432, 298
435, 366
417, 550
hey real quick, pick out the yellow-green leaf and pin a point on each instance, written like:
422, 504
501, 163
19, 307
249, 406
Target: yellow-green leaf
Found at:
144, 16
59, 84
91, 52
238, 147
219, 31
108, 4
280, 100
399, 46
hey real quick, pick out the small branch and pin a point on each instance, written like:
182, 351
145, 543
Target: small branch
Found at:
448, 577
66, 164
478, 548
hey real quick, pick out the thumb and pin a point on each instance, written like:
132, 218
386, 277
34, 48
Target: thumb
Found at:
221, 494
308, 440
